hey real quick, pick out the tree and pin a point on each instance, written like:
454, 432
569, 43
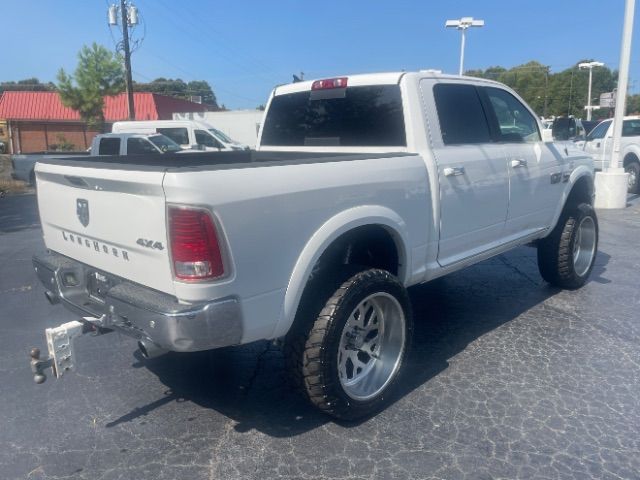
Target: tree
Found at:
180, 89
563, 93
27, 84
99, 73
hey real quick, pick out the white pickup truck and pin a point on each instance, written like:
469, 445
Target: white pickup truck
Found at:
361, 186
23, 165
599, 144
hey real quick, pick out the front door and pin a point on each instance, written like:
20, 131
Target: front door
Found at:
535, 169
472, 175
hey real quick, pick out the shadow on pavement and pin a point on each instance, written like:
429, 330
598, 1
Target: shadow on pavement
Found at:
248, 383
18, 212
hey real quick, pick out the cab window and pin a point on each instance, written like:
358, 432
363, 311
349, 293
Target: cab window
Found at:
631, 128
138, 146
205, 138
461, 116
599, 131
109, 146
515, 123
178, 135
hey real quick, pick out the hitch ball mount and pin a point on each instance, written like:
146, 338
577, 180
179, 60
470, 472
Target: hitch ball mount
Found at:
61, 358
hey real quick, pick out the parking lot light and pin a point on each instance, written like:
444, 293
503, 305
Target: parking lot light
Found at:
462, 25
590, 66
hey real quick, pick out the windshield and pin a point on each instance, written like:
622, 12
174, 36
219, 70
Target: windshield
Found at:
165, 144
369, 116
221, 135
599, 131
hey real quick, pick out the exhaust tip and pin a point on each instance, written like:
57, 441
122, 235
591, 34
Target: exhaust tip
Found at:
51, 297
150, 350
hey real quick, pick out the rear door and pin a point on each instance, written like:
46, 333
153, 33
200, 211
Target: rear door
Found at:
472, 174
109, 218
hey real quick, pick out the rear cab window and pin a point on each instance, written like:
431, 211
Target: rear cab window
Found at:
359, 116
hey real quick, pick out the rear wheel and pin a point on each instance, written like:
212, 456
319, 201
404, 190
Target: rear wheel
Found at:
349, 357
566, 256
633, 169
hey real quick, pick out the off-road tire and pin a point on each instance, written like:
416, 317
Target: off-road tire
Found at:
311, 346
555, 252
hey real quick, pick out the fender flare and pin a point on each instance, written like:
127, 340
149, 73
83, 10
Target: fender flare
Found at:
580, 172
331, 230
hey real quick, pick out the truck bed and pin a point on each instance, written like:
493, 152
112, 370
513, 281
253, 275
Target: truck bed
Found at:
211, 160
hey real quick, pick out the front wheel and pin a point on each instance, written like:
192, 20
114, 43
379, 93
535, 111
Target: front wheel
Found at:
566, 256
350, 357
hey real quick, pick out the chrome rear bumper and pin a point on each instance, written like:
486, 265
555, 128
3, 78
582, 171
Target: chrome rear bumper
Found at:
138, 311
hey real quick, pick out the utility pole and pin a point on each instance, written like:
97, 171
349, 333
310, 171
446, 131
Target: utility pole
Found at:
127, 59
463, 24
546, 88
590, 66
128, 18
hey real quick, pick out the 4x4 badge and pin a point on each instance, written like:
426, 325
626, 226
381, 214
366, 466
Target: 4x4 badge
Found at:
82, 209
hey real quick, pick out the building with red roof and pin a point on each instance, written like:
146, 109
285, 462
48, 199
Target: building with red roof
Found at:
38, 121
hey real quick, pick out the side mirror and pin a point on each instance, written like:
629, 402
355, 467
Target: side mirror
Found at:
547, 135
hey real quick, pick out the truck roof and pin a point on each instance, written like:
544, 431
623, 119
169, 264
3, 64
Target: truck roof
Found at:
382, 78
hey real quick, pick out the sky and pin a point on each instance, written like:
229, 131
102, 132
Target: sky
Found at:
245, 48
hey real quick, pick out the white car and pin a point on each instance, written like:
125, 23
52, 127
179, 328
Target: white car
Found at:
361, 186
189, 134
599, 144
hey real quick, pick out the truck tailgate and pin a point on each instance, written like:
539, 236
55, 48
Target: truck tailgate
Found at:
110, 219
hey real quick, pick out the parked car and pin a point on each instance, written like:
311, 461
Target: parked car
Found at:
599, 144
189, 134
571, 129
361, 186
104, 144
133, 144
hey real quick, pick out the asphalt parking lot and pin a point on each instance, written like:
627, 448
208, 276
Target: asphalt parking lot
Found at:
508, 378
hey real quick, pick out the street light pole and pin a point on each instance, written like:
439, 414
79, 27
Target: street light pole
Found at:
611, 185
590, 66
463, 24
623, 82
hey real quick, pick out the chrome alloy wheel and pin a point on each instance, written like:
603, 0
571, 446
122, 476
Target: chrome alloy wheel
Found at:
632, 179
584, 246
371, 346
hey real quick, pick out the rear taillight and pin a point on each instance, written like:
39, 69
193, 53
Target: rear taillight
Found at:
195, 249
329, 83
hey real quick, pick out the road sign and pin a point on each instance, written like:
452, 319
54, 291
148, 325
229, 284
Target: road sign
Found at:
608, 100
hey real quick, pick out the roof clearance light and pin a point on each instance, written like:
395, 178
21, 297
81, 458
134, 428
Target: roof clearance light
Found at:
329, 83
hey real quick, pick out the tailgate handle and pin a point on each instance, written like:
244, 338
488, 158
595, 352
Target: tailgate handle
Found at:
77, 181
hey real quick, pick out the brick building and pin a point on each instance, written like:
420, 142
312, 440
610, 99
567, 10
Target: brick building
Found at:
38, 121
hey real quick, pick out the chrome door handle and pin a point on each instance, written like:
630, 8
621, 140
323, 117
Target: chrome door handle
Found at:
453, 171
518, 162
